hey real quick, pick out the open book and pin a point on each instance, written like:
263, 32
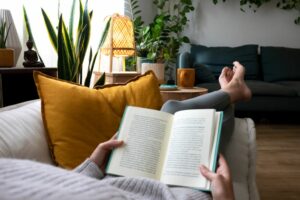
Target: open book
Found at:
166, 147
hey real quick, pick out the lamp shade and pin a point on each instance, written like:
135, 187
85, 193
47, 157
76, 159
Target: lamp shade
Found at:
120, 40
13, 40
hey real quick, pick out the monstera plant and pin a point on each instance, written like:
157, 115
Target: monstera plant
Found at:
72, 51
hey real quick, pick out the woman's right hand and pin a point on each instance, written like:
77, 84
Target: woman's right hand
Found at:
221, 182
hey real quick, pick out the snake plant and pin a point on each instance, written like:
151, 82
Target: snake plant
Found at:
4, 30
71, 51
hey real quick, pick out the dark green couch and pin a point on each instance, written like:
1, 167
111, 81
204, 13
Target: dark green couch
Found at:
272, 73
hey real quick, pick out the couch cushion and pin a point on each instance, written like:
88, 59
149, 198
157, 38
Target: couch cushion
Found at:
78, 118
260, 88
203, 74
22, 134
215, 58
293, 85
279, 63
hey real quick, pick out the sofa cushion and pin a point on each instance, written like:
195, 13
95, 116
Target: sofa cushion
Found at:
203, 74
279, 63
78, 118
261, 88
22, 134
293, 85
215, 58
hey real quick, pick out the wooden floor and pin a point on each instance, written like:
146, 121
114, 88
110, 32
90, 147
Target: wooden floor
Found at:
278, 161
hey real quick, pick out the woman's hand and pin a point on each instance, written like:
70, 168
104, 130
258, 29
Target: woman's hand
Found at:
221, 180
100, 154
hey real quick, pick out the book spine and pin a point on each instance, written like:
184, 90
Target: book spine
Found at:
118, 132
214, 167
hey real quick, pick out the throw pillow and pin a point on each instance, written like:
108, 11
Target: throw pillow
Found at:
78, 118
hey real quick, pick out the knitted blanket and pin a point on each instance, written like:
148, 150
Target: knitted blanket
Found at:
24, 179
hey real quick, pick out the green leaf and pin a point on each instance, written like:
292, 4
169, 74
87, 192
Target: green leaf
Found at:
104, 34
27, 24
186, 39
50, 29
29, 32
100, 81
89, 71
61, 68
71, 20
7, 32
69, 48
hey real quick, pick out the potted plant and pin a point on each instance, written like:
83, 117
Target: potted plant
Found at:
6, 54
160, 40
72, 51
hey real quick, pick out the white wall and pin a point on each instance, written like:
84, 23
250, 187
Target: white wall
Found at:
148, 10
224, 24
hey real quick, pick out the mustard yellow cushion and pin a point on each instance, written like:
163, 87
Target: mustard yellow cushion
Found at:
78, 118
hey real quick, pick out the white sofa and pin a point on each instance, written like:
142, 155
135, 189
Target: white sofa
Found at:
22, 136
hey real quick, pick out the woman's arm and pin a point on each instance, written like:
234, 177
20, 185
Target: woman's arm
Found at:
94, 166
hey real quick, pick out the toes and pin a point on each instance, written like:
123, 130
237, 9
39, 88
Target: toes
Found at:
239, 70
225, 70
236, 63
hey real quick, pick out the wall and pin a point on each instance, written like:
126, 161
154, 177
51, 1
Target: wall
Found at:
148, 10
224, 24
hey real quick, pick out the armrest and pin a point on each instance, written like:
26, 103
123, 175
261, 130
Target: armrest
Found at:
240, 153
184, 60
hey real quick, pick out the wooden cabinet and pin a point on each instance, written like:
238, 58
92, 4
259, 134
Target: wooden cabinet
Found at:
17, 84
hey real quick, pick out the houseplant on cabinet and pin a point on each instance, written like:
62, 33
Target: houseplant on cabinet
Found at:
6, 54
160, 40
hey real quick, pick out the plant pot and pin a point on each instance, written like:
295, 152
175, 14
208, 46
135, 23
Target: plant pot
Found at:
157, 68
7, 57
140, 61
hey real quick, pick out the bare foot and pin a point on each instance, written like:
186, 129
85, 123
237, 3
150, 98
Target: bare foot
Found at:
236, 87
225, 76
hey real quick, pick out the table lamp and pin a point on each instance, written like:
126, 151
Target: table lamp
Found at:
120, 39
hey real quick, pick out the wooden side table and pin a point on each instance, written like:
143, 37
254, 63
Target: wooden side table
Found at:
17, 84
182, 93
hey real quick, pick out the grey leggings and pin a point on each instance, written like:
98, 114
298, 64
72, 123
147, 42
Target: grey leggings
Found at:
218, 100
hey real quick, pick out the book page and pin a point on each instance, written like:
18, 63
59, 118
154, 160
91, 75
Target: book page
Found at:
145, 133
188, 148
